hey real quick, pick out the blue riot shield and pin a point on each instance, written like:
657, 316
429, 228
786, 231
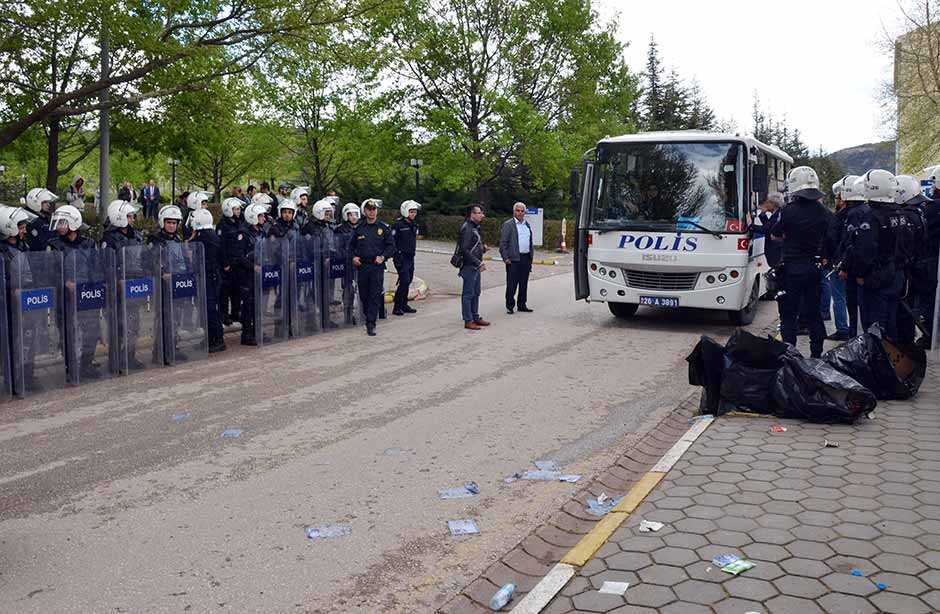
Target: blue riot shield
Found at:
38, 350
340, 294
6, 378
305, 273
90, 351
139, 309
185, 331
272, 316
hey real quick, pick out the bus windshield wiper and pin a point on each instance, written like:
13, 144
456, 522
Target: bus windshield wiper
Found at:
713, 233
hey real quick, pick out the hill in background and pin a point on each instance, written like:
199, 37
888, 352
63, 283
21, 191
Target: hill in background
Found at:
856, 160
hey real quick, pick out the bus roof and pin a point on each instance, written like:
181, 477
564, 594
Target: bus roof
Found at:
686, 136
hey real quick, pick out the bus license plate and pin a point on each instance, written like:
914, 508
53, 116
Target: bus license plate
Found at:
660, 301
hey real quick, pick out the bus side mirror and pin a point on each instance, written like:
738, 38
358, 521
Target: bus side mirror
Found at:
573, 182
759, 180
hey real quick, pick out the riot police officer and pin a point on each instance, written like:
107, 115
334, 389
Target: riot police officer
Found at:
119, 234
66, 223
267, 202
41, 202
204, 232
802, 226
242, 258
405, 234
228, 228
301, 197
13, 221
285, 226
372, 244
168, 221
351, 215
912, 255
878, 274
194, 202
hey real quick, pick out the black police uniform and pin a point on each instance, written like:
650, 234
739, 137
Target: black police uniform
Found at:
803, 225
300, 216
855, 212
212, 256
129, 324
87, 324
242, 257
877, 243
9, 251
174, 263
38, 233
229, 297
370, 241
282, 229
912, 256
405, 233
343, 236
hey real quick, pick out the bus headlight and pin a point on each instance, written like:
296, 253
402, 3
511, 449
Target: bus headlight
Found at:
602, 271
710, 279
613, 274
603, 292
722, 278
593, 266
720, 300
734, 274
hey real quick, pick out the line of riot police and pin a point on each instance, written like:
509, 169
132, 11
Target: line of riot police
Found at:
79, 310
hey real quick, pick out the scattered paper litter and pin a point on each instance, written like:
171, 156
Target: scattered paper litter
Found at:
778, 429
597, 508
569, 477
183, 415
737, 567
462, 527
329, 531
614, 588
231, 433
650, 525
831, 444
547, 465
725, 559
469, 489
540, 475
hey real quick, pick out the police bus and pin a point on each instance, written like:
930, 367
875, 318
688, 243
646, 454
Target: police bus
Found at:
661, 221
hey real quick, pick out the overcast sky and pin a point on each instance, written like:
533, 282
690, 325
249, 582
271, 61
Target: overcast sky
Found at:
820, 62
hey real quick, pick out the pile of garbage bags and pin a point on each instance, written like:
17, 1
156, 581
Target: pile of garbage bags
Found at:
766, 376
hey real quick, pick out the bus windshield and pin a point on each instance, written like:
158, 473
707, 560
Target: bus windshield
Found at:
670, 186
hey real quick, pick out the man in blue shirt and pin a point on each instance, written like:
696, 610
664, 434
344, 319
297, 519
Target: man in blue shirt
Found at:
515, 248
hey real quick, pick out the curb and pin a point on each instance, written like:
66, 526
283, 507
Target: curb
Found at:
556, 579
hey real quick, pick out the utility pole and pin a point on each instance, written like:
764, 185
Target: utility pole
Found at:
417, 164
104, 143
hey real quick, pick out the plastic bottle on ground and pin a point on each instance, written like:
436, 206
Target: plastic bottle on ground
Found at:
502, 596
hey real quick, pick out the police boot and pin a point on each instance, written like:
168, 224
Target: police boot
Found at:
370, 330
409, 309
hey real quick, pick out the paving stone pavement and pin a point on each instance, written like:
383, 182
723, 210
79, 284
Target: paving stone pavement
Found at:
805, 514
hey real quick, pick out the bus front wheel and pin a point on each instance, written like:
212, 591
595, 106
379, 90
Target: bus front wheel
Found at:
747, 315
622, 310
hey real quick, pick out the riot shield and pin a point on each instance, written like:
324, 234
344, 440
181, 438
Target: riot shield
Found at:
340, 294
90, 352
139, 309
38, 352
6, 378
185, 332
305, 274
272, 322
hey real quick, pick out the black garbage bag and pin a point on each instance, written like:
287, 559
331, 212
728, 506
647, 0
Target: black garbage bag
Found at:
706, 363
812, 389
894, 374
751, 363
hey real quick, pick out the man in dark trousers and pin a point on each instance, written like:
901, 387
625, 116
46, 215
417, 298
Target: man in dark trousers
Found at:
516, 249
372, 244
151, 197
469, 252
405, 233
802, 226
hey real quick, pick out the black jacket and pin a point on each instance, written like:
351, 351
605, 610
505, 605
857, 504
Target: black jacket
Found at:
372, 240
115, 239
62, 244
803, 225
38, 234
212, 253
470, 245
162, 237
405, 234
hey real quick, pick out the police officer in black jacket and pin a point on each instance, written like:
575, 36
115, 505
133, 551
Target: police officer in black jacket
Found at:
120, 234
243, 262
204, 232
912, 254
68, 230
878, 275
855, 210
227, 229
405, 234
13, 221
40, 201
802, 226
372, 244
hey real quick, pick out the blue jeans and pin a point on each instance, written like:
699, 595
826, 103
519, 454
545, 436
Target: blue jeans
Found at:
470, 296
833, 290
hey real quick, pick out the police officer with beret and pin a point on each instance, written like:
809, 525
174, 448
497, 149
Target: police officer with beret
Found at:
802, 226
372, 243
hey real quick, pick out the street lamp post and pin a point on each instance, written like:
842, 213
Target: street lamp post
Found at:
417, 164
173, 164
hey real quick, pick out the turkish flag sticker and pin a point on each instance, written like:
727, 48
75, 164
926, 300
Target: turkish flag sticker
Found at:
734, 226
742, 244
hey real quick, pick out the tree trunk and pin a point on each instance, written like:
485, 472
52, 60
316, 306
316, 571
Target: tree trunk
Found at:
52, 154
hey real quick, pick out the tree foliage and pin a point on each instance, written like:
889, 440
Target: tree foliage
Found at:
670, 103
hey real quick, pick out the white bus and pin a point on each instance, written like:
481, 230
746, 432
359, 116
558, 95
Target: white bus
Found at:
661, 221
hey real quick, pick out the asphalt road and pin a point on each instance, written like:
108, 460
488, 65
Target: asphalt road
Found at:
109, 505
